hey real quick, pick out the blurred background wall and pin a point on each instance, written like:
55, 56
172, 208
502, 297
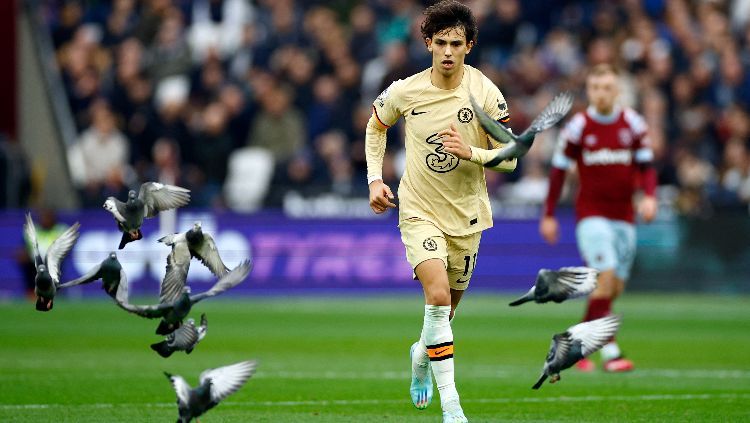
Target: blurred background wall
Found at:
259, 108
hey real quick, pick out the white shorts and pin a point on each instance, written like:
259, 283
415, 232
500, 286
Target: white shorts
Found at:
607, 244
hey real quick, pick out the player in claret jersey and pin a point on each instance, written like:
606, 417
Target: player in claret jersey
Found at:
610, 146
443, 201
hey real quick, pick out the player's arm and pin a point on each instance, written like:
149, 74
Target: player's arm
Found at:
496, 107
375, 138
567, 151
481, 156
644, 157
386, 111
455, 144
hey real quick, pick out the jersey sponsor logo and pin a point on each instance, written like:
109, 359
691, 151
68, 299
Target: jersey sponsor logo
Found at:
465, 115
607, 156
414, 112
429, 244
440, 161
589, 140
625, 137
381, 98
503, 106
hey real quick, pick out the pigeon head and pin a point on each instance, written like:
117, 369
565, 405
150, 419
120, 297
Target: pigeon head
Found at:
112, 256
190, 322
41, 268
132, 195
186, 290
196, 234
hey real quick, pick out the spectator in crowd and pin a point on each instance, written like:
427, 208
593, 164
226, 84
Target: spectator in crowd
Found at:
287, 72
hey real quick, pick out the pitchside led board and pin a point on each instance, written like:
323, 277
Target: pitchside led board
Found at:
290, 255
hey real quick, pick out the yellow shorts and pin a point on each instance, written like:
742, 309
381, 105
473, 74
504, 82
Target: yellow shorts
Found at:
424, 241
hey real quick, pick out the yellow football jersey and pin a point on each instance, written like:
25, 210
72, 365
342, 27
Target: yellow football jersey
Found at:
437, 186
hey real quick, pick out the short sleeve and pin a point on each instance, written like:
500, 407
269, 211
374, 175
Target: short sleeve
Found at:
494, 102
387, 106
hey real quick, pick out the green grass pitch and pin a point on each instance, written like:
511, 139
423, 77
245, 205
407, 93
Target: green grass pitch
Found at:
346, 360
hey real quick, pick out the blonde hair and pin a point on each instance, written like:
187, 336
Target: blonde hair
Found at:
603, 69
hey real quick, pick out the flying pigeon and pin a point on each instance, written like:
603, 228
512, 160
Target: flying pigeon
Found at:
185, 338
152, 198
193, 243
577, 342
215, 386
518, 145
560, 285
173, 308
47, 277
110, 271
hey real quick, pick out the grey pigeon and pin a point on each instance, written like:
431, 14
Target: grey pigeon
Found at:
577, 342
185, 338
193, 243
172, 309
215, 385
518, 145
560, 285
152, 198
110, 271
47, 278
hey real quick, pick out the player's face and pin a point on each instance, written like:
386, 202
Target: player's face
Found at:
449, 49
602, 91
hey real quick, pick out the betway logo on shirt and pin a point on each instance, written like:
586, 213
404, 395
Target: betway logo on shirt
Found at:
607, 156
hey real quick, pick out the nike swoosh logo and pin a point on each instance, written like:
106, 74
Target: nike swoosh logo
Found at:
441, 351
414, 112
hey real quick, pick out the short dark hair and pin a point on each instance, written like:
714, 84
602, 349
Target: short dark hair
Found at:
447, 14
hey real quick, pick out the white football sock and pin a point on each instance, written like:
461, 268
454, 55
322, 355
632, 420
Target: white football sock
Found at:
610, 351
438, 338
420, 359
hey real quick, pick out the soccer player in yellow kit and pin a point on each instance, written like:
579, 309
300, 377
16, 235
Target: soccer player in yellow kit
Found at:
443, 201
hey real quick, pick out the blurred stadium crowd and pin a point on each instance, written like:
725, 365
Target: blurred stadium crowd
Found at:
244, 102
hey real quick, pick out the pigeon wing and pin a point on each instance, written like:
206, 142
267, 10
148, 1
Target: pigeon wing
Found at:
59, 249
181, 388
90, 276
208, 254
149, 311
122, 293
185, 336
595, 333
30, 231
231, 279
203, 328
581, 280
178, 264
553, 113
228, 379
117, 208
159, 197
493, 128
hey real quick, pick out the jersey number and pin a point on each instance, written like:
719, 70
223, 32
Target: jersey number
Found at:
468, 260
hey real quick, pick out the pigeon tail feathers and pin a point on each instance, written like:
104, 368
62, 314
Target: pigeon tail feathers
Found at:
162, 349
539, 382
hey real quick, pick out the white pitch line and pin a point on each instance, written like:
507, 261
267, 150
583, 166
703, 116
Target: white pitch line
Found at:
719, 374
587, 398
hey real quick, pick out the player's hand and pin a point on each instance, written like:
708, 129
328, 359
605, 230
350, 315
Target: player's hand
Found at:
454, 144
549, 228
647, 208
380, 197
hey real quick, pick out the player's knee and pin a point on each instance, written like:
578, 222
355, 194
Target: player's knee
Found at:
438, 296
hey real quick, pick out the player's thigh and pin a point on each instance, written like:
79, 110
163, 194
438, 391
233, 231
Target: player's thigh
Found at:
625, 246
596, 243
462, 259
423, 241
